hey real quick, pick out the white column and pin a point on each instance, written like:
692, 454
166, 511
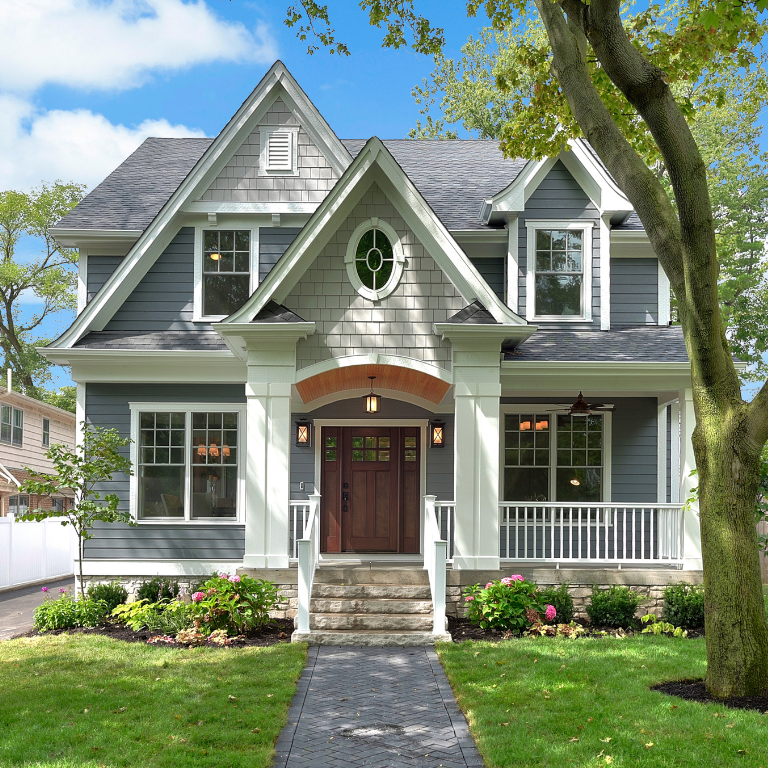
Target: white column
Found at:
477, 391
692, 529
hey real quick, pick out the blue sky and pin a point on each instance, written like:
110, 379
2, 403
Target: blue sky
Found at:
83, 82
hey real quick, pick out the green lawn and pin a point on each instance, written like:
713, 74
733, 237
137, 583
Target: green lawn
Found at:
86, 700
586, 702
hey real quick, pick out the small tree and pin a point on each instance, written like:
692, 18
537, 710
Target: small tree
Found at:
93, 461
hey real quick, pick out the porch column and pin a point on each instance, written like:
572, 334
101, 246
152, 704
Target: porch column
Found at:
477, 392
692, 560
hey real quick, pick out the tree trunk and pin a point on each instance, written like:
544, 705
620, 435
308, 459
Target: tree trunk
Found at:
736, 625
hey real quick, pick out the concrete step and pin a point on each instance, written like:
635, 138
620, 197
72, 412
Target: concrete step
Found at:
367, 605
371, 591
393, 622
369, 638
366, 575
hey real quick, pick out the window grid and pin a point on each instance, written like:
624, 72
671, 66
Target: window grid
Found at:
226, 270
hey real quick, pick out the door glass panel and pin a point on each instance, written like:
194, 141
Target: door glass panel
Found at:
410, 442
370, 455
410, 455
383, 442
370, 442
383, 455
330, 442
357, 442
330, 455
357, 455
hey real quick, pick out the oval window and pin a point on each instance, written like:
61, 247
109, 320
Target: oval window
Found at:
374, 259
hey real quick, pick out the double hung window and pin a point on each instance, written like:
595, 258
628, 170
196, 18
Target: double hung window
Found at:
46, 432
226, 282
559, 272
554, 457
18, 505
188, 464
11, 425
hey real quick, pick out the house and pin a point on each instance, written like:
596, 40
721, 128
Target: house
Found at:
28, 428
330, 346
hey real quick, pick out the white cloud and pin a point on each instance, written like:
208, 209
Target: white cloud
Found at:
115, 44
75, 145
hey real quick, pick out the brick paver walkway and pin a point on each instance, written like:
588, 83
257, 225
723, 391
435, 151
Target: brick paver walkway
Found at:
375, 707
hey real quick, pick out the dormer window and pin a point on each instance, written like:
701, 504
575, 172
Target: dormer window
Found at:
226, 271
279, 150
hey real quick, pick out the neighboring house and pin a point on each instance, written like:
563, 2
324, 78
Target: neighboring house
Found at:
237, 295
28, 428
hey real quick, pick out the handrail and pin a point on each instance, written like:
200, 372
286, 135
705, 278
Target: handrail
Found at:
308, 549
435, 558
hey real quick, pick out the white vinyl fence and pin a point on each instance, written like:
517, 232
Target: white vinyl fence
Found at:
34, 552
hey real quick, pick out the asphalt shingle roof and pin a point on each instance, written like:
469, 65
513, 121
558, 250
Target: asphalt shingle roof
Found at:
632, 222
473, 314
183, 340
641, 344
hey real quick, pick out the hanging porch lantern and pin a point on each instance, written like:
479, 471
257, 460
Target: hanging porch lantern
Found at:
437, 434
372, 401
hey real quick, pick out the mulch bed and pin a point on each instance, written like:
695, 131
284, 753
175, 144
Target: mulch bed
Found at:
462, 629
695, 690
277, 631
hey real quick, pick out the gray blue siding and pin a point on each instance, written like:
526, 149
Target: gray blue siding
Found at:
634, 292
493, 271
273, 243
98, 271
559, 197
164, 299
107, 405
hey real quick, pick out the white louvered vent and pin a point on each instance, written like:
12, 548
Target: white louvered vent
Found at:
279, 151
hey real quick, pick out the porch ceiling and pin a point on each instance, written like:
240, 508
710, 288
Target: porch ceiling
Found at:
390, 377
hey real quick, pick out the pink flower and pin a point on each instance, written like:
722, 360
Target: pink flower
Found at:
44, 589
234, 579
517, 577
198, 596
468, 599
550, 613
489, 585
506, 582
63, 589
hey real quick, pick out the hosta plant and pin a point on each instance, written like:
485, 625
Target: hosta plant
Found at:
656, 627
233, 603
167, 616
511, 604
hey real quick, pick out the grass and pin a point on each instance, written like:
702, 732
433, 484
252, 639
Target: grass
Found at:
586, 702
71, 701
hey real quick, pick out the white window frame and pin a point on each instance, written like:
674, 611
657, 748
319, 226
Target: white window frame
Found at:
46, 432
534, 225
226, 226
541, 408
188, 409
13, 411
265, 133
397, 251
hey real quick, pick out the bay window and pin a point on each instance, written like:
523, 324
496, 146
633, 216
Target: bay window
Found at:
187, 463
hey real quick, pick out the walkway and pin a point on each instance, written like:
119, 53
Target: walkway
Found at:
375, 707
17, 607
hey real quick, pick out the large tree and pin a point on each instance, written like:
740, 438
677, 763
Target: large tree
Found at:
596, 76
49, 276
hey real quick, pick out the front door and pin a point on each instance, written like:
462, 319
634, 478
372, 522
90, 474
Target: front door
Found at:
370, 489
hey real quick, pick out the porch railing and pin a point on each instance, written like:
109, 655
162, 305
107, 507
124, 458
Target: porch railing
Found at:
598, 533
308, 551
299, 514
435, 556
446, 515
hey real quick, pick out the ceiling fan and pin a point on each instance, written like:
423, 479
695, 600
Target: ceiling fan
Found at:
581, 407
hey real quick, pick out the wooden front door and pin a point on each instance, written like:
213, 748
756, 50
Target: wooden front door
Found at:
370, 489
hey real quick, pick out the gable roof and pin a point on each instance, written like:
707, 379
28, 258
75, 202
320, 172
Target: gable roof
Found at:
374, 162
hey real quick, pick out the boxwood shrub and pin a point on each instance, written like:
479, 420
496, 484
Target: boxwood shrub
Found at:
613, 607
684, 605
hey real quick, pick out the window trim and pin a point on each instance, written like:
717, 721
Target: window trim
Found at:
188, 409
397, 251
12, 424
46, 432
543, 407
265, 132
18, 496
534, 225
229, 225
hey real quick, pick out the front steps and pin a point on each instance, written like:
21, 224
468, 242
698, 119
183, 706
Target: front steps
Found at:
371, 607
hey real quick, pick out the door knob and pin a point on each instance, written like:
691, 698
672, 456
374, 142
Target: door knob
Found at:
345, 496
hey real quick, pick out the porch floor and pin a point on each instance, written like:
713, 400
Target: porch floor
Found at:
375, 707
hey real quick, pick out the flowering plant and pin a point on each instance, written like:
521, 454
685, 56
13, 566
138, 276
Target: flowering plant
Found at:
505, 604
233, 603
67, 612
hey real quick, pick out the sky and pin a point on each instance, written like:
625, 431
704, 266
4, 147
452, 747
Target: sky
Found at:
83, 82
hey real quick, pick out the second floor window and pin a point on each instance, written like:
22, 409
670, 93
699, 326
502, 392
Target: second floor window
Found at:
226, 271
559, 272
46, 432
11, 425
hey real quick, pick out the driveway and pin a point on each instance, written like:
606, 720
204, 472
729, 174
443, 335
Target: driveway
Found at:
17, 608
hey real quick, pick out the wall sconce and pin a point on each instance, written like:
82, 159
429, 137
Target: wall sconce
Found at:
303, 433
437, 429
372, 401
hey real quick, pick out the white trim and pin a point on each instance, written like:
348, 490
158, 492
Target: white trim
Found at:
373, 358
283, 208
128, 567
664, 307
82, 280
675, 468
513, 280
446, 405
546, 408
79, 238
265, 134
605, 272
397, 252
531, 226
661, 454
187, 409
423, 424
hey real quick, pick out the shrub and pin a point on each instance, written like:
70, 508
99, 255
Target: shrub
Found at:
166, 616
561, 598
158, 589
112, 594
67, 613
613, 607
511, 604
684, 606
234, 603
200, 585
